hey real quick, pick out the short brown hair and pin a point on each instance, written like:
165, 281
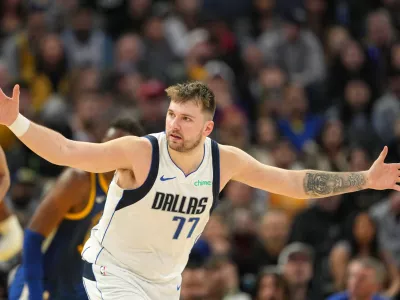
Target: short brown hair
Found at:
193, 91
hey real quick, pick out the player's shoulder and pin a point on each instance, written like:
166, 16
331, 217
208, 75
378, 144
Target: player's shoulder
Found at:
142, 147
233, 158
229, 152
147, 142
137, 144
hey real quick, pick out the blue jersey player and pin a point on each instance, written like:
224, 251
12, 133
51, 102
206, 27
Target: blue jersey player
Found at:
52, 263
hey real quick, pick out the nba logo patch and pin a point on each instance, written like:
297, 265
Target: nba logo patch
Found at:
103, 270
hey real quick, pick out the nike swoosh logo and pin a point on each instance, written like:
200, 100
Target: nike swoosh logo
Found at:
178, 287
162, 178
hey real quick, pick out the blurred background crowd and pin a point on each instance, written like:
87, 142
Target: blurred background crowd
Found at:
299, 84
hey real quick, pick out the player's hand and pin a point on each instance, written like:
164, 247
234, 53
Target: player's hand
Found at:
383, 176
9, 107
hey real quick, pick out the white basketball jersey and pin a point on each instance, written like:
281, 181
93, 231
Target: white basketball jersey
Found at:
151, 230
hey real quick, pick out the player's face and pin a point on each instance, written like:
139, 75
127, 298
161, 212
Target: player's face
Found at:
113, 133
186, 126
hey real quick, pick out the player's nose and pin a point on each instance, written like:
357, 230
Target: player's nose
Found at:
175, 124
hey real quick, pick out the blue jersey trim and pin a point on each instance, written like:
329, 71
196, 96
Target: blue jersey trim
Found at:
130, 197
216, 173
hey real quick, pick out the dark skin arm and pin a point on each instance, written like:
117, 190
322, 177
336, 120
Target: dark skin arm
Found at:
71, 190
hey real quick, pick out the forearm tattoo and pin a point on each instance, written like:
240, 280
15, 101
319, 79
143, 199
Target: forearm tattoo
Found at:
325, 184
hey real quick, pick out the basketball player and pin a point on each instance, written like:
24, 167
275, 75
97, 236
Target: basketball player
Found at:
65, 217
165, 188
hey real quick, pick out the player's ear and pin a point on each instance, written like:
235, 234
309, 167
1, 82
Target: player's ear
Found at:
208, 128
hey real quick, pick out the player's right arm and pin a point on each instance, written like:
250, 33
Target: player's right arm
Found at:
55, 148
70, 189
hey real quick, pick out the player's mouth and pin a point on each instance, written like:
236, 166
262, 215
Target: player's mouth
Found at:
175, 137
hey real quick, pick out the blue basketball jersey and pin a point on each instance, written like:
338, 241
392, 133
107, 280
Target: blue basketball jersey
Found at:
62, 259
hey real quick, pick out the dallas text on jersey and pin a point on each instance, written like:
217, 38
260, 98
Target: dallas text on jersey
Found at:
176, 203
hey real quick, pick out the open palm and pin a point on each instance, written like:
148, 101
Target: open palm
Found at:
382, 176
9, 107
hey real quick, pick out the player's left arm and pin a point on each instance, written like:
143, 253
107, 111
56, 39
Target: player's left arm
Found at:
303, 184
65, 193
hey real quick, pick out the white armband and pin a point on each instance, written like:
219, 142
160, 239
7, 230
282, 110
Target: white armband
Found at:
20, 126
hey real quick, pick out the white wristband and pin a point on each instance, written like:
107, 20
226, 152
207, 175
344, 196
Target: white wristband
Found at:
20, 126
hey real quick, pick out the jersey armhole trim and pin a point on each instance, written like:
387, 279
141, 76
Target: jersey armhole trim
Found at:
130, 197
216, 173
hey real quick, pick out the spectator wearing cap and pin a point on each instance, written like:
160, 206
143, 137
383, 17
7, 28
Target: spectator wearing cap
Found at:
296, 262
295, 49
365, 278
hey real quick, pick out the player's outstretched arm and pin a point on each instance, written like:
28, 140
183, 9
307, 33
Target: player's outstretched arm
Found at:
55, 148
309, 183
71, 187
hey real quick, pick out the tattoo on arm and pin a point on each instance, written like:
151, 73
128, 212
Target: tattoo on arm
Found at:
325, 183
